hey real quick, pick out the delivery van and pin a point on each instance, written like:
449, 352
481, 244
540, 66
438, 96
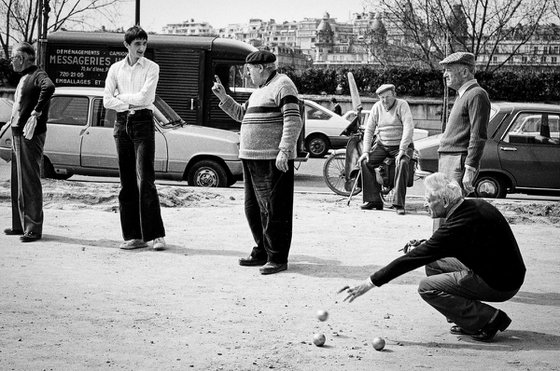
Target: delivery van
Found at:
187, 68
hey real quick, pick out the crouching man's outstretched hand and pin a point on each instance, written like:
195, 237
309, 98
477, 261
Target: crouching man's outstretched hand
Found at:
354, 292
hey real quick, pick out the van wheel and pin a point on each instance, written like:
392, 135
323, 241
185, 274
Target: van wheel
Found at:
51, 173
207, 173
317, 145
490, 186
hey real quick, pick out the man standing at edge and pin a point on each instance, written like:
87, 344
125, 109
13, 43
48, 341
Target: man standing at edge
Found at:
270, 126
29, 131
130, 89
462, 142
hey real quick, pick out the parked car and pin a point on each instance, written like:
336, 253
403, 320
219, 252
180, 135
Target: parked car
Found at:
80, 141
521, 155
351, 115
323, 129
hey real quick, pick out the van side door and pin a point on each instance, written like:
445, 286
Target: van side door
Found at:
179, 80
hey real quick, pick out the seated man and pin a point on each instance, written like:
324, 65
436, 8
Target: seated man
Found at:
391, 120
471, 259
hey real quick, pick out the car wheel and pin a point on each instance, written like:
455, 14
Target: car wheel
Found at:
317, 145
49, 171
490, 186
207, 173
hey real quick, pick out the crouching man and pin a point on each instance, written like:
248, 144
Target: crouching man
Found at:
472, 258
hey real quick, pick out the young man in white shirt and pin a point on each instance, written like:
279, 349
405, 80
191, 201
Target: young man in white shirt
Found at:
130, 89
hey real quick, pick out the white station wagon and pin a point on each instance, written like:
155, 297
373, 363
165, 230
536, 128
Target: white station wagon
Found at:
80, 141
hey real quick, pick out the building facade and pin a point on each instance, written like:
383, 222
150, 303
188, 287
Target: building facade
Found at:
371, 38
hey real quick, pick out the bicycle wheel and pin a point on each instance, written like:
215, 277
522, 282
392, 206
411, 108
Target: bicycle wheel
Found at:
333, 172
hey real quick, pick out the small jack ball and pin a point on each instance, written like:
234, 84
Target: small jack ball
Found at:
319, 340
322, 315
378, 343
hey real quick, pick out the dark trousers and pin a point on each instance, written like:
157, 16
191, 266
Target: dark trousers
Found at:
26, 188
269, 201
371, 187
138, 198
456, 292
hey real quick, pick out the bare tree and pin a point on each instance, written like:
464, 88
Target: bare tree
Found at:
434, 28
19, 18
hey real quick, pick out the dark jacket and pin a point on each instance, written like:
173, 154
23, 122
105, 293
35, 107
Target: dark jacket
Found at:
36, 94
479, 236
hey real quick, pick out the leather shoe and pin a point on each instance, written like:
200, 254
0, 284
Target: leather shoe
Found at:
251, 261
400, 210
371, 206
12, 232
458, 330
270, 268
499, 322
30, 237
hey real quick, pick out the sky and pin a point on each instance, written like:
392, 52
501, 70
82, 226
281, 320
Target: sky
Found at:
154, 14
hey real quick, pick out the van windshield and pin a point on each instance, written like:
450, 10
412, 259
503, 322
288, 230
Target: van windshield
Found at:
239, 79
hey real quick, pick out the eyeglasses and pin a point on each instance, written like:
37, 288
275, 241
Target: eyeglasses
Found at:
18, 57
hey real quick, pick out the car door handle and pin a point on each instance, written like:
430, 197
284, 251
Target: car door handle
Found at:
508, 149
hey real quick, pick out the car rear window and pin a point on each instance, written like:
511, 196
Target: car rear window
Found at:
68, 110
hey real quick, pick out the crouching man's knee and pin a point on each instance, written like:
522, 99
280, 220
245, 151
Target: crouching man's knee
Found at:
426, 290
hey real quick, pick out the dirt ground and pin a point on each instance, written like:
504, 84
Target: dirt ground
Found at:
75, 301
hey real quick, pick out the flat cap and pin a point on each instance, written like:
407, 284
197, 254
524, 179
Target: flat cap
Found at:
260, 57
459, 58
385, 87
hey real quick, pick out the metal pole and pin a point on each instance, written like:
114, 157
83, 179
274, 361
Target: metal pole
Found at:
39, 33
137, 17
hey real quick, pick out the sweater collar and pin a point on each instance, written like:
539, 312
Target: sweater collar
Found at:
29, 69
466, 87
272, 74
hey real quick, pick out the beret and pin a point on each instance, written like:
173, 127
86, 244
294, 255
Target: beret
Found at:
384, 87
260, 57
459, 58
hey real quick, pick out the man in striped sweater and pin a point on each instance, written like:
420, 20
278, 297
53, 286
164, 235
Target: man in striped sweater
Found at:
270, 126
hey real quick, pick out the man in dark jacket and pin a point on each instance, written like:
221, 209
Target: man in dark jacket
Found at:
473, 257
29, 127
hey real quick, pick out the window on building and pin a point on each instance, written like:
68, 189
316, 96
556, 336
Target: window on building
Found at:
554, 60
543, 59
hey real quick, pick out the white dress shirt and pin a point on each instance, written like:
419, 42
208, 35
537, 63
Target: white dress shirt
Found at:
131, 87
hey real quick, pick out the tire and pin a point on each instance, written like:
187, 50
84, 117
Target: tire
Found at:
49, 171
207, 173
490, 186
333, 173
317, 145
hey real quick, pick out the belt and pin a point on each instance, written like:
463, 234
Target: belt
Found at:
134, 112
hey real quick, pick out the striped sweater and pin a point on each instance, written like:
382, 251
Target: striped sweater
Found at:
270, 119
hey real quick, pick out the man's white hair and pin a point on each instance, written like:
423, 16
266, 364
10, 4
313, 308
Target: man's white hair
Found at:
440, 186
